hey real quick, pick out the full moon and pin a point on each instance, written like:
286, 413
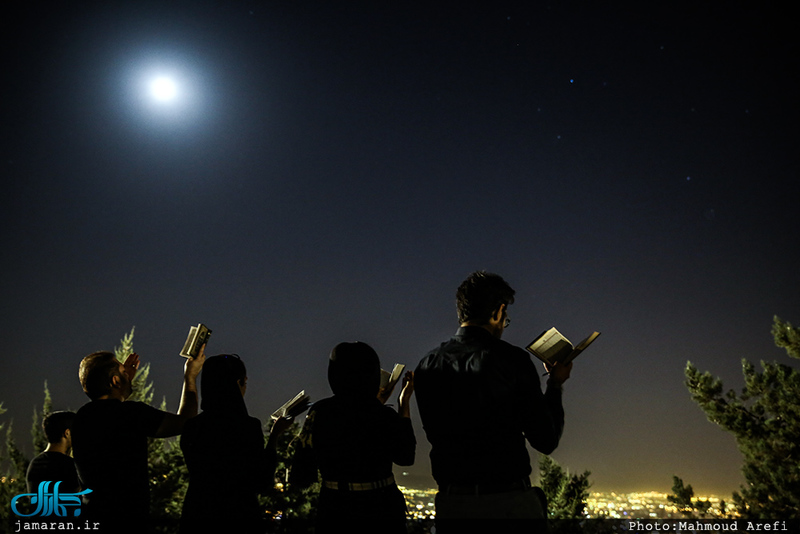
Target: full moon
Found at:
163, 89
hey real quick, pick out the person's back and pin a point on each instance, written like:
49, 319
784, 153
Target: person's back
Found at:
110, 439
352, 440
479, 398
54, 467
228, 468
228, 463
55, 464
110, 448
359, 441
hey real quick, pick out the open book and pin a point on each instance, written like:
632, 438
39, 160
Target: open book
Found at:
388, 380
294, 407
198, 335
552, 347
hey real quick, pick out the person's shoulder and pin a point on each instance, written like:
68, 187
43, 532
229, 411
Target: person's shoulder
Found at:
59, 457
511, 361
83, 409
323, 404
512, 350
138, 408
142, 416
433, 355
50, 458
42, 457
94, 410
97, 405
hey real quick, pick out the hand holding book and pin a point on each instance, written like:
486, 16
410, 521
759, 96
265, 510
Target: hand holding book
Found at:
388, 381
404, 403
293, 407
557, 353
558, 372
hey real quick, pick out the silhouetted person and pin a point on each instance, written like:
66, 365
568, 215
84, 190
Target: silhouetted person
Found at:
480, 399
109, 439
224, 449
353, 439
55, 463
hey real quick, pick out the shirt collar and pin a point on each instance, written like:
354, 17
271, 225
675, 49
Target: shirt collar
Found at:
473, 331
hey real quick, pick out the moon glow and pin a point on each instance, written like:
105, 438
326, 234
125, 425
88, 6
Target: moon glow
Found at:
163, 89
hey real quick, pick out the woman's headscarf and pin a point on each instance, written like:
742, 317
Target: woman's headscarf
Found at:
354, 370
219, 384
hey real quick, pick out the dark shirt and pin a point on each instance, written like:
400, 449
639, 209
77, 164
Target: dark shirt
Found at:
352, 440
480, 398
109, 443
53, 466
228, 467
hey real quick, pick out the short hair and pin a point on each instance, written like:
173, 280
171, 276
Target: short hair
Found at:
55, 424
96, 371
354, 370
480, 295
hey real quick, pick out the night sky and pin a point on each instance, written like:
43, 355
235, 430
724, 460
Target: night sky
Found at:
331, 171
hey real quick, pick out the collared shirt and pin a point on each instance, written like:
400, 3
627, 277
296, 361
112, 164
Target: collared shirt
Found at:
480, 399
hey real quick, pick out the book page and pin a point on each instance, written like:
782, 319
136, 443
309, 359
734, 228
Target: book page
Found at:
389, 379
186, 351
286, 409
550, 345
588, 341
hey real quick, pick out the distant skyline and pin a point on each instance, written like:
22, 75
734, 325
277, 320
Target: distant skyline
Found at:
310, 172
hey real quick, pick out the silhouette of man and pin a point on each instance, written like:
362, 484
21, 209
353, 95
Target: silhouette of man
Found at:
109, 438
55, 463
480, 399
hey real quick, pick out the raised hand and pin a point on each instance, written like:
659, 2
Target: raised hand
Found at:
131, 365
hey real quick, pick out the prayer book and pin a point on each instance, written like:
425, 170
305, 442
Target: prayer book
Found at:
552, 347
388, 380
198, 335
293, 407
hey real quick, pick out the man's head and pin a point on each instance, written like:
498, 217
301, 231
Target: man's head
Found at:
56, 426
102, 375
482, 300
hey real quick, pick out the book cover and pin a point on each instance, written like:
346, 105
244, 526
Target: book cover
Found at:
198, 335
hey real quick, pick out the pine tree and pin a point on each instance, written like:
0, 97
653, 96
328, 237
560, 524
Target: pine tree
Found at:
566, 494
169, 480
11, 483
14, 466
37, 432
765, 421
289, 508
684, 500
169, 477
